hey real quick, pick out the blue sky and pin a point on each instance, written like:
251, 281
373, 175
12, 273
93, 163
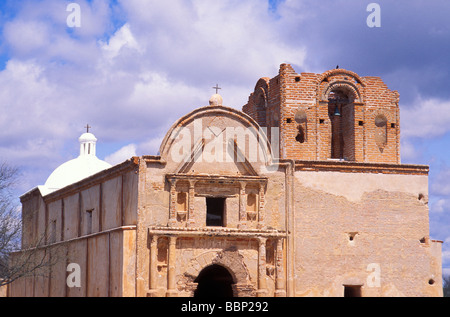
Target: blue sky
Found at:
135, 66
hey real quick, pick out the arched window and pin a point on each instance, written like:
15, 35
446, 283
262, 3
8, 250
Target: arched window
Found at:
261, 104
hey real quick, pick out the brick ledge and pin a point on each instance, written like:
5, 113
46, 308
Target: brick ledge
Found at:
358, 167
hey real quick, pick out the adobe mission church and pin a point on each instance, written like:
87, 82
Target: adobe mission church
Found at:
313, 202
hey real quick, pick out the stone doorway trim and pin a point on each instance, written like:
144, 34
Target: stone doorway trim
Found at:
232, 260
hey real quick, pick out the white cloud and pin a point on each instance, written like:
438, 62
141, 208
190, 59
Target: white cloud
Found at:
26, 37
123, 38
408, 151
426, 118
121, 155
446, 256
202, 40
446, 271
440, 206
29, 123
151, 146
441, 185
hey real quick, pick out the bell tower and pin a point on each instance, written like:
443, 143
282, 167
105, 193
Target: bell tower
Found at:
336, 115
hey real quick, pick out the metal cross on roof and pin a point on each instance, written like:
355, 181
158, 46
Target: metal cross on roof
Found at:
217, 88
87, 128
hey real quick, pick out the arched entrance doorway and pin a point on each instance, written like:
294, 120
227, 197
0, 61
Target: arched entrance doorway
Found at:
214, 281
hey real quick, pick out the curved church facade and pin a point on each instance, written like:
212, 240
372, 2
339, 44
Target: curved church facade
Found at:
302, 193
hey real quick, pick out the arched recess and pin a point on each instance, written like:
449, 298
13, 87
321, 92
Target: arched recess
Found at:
302, 126
231, 260
341, 97
347, 87
381, 138
334, 76
261, 106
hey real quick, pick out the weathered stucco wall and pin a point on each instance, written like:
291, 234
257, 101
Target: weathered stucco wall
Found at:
107, 268
347, 224
92, 224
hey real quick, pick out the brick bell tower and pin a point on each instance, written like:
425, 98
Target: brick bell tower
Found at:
336, 115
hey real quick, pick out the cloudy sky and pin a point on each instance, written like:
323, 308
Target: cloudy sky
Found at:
134, 66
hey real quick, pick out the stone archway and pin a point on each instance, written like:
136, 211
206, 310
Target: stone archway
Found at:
231, 260
214, 281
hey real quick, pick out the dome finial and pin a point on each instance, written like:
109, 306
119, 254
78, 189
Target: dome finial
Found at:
216, 99
87, 143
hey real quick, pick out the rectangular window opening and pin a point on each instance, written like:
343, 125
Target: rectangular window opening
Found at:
53, 232
215, 212
89, 221
352, 291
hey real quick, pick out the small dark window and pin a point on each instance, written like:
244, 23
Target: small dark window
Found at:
321, 121
89, 221
297, 79
393, 125
288, 120
361, 123
352, 291
215, 212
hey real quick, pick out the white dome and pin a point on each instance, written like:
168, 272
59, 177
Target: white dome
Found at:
74, 171
85, 165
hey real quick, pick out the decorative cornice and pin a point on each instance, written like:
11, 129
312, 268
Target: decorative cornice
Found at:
358, 167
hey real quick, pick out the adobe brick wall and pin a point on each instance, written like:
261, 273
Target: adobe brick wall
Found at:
276, 102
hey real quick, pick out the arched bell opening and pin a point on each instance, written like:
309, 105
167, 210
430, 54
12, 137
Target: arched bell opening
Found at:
341, 113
